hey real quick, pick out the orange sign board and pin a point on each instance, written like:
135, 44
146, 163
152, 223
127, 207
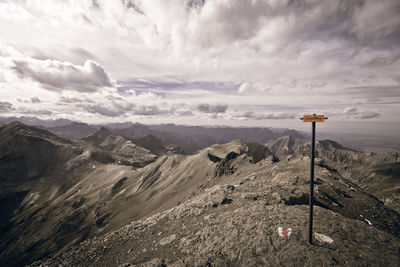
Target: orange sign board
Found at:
314, 118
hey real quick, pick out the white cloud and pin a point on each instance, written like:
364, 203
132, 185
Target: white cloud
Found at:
354, 113
58, 76
249, 86
292, 56
251, 115
350, 111
367, 115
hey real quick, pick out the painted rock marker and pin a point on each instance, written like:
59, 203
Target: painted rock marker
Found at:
283, 232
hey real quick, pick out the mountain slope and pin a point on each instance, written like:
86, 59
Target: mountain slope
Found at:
234, 221
86, 193
50, 189
99, 136
33, 121
74, 130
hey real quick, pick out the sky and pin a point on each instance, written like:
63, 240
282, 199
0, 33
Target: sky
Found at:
202, 62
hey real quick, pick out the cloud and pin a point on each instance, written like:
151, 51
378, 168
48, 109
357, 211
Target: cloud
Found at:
367, 115
35, 99
375, 90
373, 20
157, 54
350, 111
185, 113
74, 99
122, 109
379, 61
206, 108
246, 87
57, 76
113, 110
149, 111
35, 112
5, 106
264, 116
373, 100
355, 113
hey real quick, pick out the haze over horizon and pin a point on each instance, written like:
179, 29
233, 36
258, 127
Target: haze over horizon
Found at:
196, 62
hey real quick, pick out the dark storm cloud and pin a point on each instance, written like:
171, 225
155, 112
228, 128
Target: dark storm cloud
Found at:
58, 76
5, 106
206, 108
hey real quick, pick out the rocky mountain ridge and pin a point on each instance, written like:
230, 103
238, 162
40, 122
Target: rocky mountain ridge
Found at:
378, 174
84, 203
189, 138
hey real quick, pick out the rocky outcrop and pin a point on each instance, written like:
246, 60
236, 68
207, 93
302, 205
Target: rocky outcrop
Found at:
373, 172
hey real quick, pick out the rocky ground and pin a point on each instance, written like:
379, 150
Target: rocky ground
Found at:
377, 174
235, 220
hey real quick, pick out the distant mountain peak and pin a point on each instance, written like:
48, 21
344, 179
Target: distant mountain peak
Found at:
79, 123
327, 144
15, 124
103, 130
99, 136
15, 127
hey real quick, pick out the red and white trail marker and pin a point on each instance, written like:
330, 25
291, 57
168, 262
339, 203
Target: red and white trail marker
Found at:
284, 232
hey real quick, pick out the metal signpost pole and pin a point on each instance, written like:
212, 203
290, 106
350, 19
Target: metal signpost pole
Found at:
311, 198
313, 119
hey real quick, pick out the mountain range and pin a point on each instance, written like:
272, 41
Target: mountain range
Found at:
125, 196
189, 138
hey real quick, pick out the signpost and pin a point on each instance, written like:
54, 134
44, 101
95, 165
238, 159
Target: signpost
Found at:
313, 119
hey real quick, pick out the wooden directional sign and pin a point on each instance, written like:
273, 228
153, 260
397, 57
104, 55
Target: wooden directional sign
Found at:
314, 118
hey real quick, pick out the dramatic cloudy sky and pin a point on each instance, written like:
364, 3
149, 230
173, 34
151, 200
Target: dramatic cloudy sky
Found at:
213, 62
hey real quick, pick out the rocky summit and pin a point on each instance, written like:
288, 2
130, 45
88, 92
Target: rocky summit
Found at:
107, 200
